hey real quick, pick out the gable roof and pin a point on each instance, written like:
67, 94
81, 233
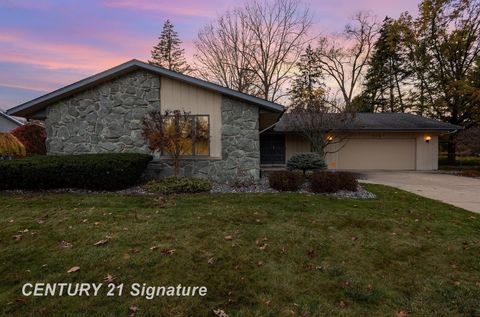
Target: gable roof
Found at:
12, 119
44, 101
386, 121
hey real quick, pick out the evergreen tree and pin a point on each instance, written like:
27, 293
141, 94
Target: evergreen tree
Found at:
168, 52
388, 71
307, 87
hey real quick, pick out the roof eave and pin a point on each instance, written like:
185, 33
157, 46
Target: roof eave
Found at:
39, 103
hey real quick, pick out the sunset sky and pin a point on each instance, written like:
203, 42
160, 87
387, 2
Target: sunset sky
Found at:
45, 45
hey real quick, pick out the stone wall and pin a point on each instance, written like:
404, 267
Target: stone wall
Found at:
240, 149
108, 118
104, 119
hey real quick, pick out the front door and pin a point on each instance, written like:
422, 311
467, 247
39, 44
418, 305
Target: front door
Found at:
272, 148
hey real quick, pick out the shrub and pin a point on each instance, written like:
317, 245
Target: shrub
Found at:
331, 182
10, 146
88, 171
470, 173
178, 185
33, 136
285, 180
305, 162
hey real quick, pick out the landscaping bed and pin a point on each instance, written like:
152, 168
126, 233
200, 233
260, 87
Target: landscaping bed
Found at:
265, 254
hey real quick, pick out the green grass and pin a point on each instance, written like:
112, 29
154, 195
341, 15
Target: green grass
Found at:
410, 253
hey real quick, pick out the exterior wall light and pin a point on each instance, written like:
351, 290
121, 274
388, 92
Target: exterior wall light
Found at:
428, 138
330, 138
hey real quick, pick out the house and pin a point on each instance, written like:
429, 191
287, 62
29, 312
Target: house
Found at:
8, 123
104, 112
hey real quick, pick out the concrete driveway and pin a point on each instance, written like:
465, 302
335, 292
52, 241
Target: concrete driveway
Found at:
463, 192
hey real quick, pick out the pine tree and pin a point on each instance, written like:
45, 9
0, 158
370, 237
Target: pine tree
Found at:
168, 52
387, 73
307, 86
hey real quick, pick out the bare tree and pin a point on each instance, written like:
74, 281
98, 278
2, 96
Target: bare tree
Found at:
219, 54
256, 45
344, 58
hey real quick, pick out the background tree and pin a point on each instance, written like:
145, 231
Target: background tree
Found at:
171, 132
168, 52
269, 37
219, 56
344, 58
444, 44
313, 113
387, 73
33, 136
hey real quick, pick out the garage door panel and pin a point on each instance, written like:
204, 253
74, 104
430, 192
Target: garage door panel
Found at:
396, 154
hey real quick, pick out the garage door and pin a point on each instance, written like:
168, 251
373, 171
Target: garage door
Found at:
392, 154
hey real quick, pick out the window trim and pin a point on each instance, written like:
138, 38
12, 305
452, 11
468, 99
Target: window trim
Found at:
193, 155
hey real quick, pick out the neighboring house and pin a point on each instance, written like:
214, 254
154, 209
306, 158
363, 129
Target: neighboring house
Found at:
8, 123
104, 112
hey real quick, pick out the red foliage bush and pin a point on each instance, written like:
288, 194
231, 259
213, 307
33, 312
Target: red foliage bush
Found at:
33, 137
285, 180
331, 182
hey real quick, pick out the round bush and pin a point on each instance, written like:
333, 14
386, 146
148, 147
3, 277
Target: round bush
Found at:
331, 182
305, 162
33, 137
178, 185
285, 180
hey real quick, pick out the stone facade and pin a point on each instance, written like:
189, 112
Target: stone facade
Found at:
106, 118
240, 149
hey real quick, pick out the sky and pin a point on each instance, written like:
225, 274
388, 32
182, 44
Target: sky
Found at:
45, 45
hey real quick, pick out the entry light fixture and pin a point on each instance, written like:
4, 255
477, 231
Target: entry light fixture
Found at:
330, 138
428, 138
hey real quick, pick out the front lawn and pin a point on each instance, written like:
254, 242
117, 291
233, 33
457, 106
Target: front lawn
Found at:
258, 254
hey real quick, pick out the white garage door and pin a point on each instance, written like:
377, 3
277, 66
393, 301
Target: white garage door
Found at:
391, 154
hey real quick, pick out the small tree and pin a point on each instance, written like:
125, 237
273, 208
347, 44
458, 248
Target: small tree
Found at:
306, 162
172, 132
168, 52
33, 137
10, 146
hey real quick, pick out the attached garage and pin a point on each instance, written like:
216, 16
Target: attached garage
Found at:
377, 141
388, 154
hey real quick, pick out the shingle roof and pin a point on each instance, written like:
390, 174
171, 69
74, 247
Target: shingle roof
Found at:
382, 122
42, 102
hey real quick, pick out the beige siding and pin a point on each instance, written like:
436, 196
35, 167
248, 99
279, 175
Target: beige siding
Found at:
427, 153
296, 144
175, 94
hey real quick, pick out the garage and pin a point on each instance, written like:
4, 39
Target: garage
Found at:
380, 154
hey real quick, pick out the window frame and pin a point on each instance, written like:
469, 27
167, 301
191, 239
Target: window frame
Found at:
194, 122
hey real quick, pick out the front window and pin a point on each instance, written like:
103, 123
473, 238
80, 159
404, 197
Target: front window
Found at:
197, 143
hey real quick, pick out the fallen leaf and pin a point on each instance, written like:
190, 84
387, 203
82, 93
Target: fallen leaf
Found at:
354, 238
74, 269
109, 278
40, 221
311, 253
132, 310
65, 244
126, 256
401, 313
228, 238
17, 237
263, 246
220, 313
267, 302
101, 242
211, 260
260, 263
168, 252
154, 247
342, 304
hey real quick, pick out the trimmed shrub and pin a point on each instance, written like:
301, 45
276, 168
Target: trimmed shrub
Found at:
87, 171
285, 180
331, 182
178, 185
305, 162
10, 147
33, 136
